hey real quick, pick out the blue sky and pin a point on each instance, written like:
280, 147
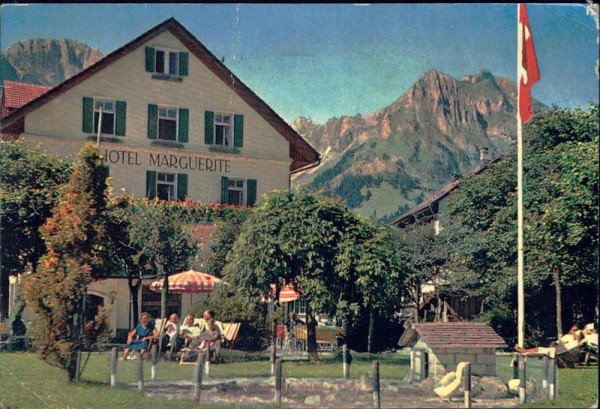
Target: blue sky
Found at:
325, 60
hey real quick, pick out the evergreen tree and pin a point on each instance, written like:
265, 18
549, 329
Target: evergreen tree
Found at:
73, 237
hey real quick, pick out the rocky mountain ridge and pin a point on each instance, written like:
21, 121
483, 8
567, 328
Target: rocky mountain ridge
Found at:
46, 61
385, 162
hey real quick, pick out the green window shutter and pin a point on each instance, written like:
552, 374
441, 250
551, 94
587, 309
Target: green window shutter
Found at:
238, 131
152, 121
184, 121
88, 114
150, 59
209, 127
182, 184
120, 126
224, 189
150, 184
251, 192
183, 63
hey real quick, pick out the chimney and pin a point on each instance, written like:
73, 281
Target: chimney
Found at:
484, 155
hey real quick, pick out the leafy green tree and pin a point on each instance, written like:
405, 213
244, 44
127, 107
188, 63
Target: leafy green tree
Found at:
30, 181
148, 241
561, 219
312, 243
224, 235
73, 237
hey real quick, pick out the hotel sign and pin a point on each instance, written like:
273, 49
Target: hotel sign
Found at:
167, 161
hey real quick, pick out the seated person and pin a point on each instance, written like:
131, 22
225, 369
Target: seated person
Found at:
211, 337
138, 339
189, 330
171, 338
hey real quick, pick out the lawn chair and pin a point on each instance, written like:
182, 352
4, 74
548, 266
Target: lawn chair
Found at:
24, 339
301, 336
230, 332
4, 335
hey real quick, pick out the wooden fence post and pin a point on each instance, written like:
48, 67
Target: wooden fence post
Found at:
376, 396
154, 358
522, 379
113, 366
552, 387
346, 364
546, 370
467, 385
207, 361
278, 380
140, 371
198, 370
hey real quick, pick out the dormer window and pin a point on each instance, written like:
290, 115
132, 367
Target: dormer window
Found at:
166, 63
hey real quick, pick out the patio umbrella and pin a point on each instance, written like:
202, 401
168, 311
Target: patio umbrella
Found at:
188, 282
287, 293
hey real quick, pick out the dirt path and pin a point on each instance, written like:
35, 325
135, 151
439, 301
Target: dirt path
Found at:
311, 393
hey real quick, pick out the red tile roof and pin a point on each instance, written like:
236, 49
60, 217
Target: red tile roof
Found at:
458, 335
17, 94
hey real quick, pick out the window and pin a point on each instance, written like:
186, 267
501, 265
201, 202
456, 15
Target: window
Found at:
167, 62
239, 192
166, 186
170, 64
236, 192
107, 108
113, 120
223, 132
167, 123
151, 302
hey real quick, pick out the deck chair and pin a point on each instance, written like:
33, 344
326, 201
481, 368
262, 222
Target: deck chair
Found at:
159, 325
230, 332
4, 335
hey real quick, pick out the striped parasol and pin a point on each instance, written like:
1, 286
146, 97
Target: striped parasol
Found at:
188, 282
287, 293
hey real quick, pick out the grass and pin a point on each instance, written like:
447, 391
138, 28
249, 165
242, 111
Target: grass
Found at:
28, 382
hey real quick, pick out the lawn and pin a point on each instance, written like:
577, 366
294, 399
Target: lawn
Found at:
26, 381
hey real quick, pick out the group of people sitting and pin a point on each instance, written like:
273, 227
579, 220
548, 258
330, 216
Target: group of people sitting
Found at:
196, 337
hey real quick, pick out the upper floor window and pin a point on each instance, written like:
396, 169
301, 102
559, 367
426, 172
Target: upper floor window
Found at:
223, 131
236, 192
167, 62
166, 186
109, 115
106, 110
167, 123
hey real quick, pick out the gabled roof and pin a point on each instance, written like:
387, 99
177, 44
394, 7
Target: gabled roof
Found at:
301, 152
429, 206
16, 94
455, 335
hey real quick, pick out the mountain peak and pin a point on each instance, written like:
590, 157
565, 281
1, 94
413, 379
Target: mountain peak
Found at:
482, 75
46, 61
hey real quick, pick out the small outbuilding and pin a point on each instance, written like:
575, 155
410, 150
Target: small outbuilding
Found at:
438, 347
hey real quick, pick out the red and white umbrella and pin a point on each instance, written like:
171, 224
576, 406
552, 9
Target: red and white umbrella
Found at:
188, 282
286, 294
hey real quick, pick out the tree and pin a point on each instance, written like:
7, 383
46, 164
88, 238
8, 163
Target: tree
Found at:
314, 244
423, 253
30, 181
73, 237
561, 218
146, 240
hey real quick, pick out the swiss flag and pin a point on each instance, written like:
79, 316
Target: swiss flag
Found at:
529, 73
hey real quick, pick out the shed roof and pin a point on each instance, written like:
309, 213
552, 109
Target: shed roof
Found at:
17, 94
458, 335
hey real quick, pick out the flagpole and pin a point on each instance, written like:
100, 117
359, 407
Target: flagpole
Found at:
520, 258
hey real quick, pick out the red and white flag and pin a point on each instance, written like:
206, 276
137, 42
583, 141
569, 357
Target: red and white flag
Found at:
529, 73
